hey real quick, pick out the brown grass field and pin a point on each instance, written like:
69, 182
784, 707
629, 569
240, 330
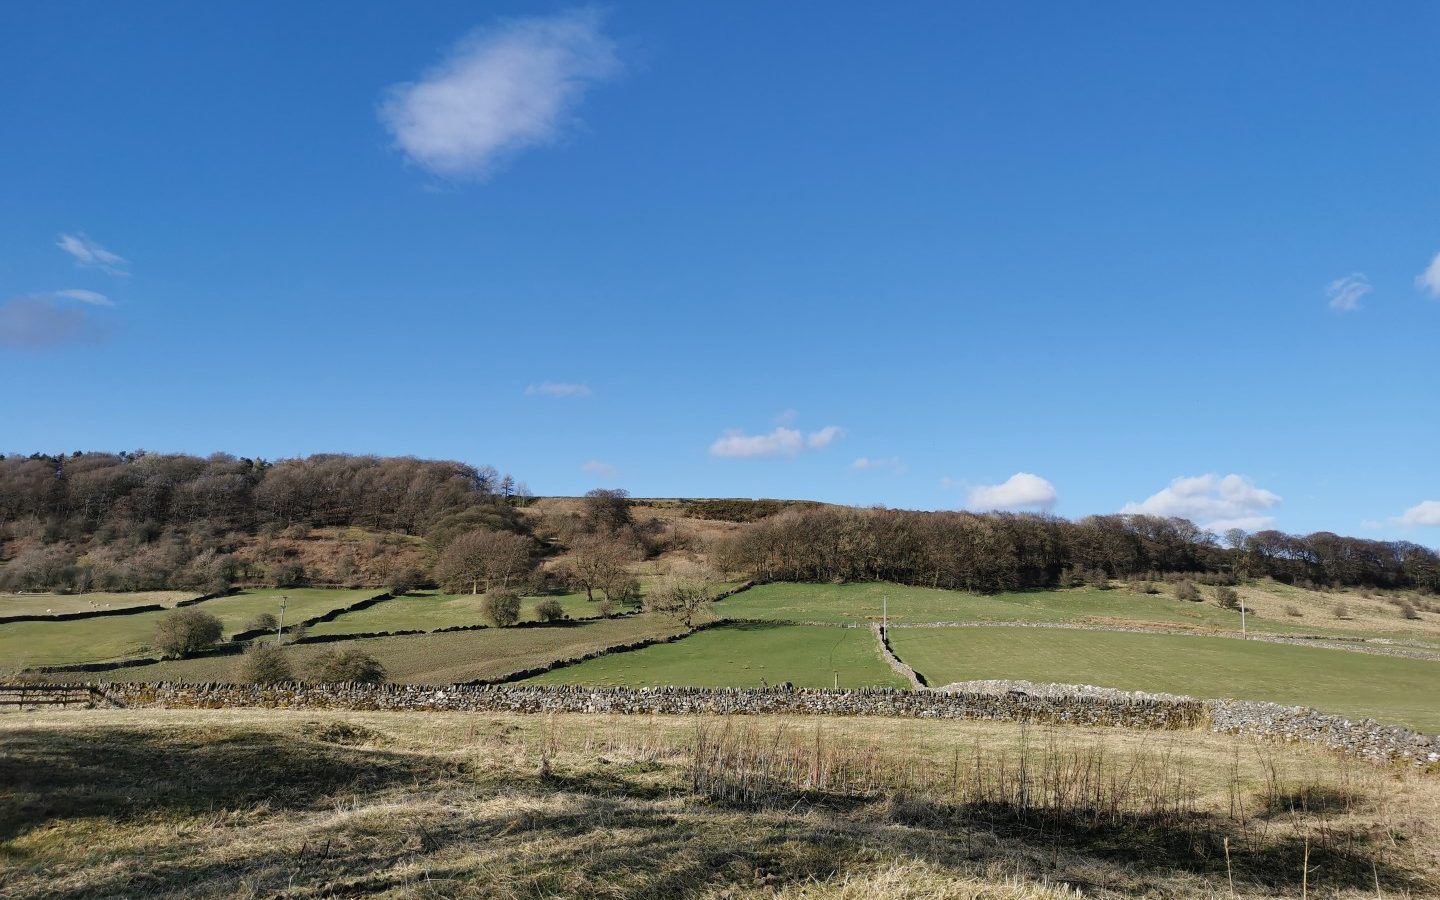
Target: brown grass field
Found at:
257, 803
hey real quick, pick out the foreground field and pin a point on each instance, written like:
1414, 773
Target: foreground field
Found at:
744, 655
41, 604
116, 637
253, 803
1354, 684
437, 659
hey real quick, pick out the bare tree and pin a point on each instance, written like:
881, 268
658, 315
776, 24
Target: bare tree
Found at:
595, 563
682, 599
485, 558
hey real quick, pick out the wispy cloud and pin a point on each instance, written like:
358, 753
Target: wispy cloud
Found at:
501, 90
84, 296
869, 464
91, 255
596, 467
1424, 513
1217, 503
780, 442
557, 389
40, 321
1020, 491
1429, 280
1345, 293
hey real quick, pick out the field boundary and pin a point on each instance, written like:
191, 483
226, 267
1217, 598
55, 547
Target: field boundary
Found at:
1053, 704
103, 613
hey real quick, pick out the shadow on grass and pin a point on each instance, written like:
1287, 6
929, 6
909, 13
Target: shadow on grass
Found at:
51, 775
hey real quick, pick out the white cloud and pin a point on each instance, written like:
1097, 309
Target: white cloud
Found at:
1020, 491
596, 467
1424, 513
1214, 502
949, 484
91, 255
1345, 293
557, 389
815, 440
780, 442
501, 90
786, 417
84, 296
1429, 280
866, 463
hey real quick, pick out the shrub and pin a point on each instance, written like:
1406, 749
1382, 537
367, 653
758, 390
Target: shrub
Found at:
1098, 579
1227, 597
1151, 588
404, 580
549, 610
606, 608
1408, 611
286, 574
501, 607
262, 622
1186, 590
1292, 610
264, 664
1342, 611
186, 631
347, 664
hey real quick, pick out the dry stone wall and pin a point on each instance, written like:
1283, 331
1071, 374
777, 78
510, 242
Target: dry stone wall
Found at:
1012, 706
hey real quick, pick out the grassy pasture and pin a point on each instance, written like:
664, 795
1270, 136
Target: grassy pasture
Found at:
860, 603
259, 803
1391, 689
430, 610
117, 637
437, 659
39, 604
742, 655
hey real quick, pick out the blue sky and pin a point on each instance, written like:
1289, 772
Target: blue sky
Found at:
1030, 255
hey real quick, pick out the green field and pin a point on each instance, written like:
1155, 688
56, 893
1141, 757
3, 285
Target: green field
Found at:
117, 637
39, 604
437, 659
1391, 689
861, 603
430, 610
743, 655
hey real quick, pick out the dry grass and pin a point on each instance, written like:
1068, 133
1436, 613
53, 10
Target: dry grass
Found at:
1366, 615
256, 803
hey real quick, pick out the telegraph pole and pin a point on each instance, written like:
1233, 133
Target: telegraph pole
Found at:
1242, 615
280, 626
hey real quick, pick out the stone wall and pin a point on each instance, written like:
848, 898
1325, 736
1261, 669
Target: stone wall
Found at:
1013, 706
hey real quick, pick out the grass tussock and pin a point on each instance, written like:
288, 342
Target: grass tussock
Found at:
255, 803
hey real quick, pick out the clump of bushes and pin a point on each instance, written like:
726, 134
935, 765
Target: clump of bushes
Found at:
1292, 610
1341, 610
347, 664
502, 607
265, 664
1186, 590
1227, 597
186, 631
1408, 611
550, 610
404, 580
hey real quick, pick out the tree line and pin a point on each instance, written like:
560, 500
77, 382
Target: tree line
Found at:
145, 521
1011, 551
